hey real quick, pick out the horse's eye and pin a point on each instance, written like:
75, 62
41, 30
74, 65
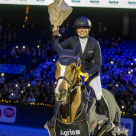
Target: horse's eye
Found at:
73, 67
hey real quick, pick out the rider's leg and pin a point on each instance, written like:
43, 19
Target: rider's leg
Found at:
96, 85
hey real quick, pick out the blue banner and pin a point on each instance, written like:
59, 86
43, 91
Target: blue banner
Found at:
12, 69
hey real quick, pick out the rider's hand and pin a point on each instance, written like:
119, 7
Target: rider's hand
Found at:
55, 28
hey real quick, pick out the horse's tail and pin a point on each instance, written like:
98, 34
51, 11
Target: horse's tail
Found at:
122, 131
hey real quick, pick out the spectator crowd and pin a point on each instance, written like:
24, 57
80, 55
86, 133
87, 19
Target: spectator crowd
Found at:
118, 71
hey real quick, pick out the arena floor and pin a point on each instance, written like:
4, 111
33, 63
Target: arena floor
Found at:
12, 130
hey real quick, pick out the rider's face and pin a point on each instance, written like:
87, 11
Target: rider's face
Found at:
82, 31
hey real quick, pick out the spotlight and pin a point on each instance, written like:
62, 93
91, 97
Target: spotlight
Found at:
129, 72
2, 74
122, 107
16, 85
38, 46
23, 47
131, 63
53, 59
116, 85
21, 91
12, 93
28, 84
111, 62
16, 46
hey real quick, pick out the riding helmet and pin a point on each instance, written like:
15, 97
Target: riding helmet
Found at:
82, 21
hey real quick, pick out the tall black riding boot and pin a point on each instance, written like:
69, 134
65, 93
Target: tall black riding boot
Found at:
105, 109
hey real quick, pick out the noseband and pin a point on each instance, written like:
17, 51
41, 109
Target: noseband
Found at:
69, 90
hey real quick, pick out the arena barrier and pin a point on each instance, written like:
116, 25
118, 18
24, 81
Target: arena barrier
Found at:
31, 115
36, 115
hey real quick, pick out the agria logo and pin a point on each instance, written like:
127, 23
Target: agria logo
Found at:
70, 132
113, 2
132, 2
40, 0
23, 0
94, 1
75, 1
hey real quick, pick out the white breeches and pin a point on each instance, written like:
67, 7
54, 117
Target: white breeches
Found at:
96, 85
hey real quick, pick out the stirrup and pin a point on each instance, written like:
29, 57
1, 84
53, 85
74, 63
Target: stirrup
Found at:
110, 126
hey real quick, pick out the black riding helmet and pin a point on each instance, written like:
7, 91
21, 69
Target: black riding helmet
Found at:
82, 21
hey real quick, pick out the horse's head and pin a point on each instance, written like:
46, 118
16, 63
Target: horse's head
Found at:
66, 71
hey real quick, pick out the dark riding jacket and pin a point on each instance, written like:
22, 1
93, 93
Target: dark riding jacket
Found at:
91, 58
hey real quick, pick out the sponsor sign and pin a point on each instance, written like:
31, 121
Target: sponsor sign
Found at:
7, 114
79, 128
132, 3
128, 124
79, 3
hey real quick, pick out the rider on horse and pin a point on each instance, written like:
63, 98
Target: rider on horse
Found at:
91, 60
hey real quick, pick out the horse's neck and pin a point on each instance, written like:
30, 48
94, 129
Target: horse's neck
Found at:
75, 101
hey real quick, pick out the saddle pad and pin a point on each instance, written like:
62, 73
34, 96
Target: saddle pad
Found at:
79, 128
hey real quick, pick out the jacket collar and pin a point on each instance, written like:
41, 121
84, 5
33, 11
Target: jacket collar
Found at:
76, 38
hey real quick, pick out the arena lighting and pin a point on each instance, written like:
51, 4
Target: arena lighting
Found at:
28, 84
12, 93
131, 63
2, 74
131, 70
23, 47
38, 46
122, 106
16, 85
59, 34
111, 62
116, 85
21, 91
53, 59
55, 82
16, 46
135, 59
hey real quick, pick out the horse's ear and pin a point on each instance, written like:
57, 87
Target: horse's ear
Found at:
77, 49
57, 47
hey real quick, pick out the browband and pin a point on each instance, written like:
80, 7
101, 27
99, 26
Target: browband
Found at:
68, 56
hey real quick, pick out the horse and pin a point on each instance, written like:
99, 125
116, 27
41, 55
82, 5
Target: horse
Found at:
76, 112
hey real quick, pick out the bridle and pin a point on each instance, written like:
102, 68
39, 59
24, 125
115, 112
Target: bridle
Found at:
69, 90
72, 87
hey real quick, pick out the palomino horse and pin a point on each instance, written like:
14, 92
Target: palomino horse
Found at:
75, 113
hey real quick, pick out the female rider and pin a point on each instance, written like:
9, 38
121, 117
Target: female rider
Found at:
91, 60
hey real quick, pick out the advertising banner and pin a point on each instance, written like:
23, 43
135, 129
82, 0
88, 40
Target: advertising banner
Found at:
7, 114
79, 3
13, 69
128, 124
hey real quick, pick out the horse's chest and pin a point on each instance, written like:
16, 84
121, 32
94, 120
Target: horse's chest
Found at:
79, 128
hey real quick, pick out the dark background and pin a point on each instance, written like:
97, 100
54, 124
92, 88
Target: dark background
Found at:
111, 18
